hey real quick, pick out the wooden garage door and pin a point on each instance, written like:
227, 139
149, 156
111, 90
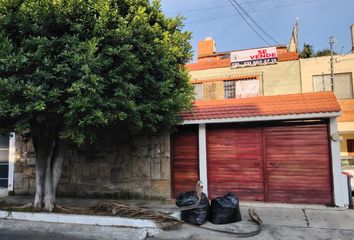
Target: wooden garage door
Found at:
297, 164
185, 161
235, 162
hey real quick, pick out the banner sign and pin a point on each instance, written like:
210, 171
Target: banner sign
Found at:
254, 57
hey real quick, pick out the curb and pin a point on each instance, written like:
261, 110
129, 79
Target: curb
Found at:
291, 206
149, 226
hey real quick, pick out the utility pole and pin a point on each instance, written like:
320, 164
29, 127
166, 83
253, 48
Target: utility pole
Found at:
331, 42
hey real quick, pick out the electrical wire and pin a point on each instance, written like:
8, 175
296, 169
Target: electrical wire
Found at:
259, 10
255, 23
250, 3
259, 35
221, 6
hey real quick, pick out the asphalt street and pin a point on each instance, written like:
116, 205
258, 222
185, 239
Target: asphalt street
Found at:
31, 230
34, 235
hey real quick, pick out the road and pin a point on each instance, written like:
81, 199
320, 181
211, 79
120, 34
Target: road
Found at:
30, 230
32, 235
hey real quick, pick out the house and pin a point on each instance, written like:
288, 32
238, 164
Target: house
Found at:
268, 148
257, 129
217, 75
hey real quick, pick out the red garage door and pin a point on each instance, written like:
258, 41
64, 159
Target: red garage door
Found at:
298, 164
287, 163
185, 161
235, 162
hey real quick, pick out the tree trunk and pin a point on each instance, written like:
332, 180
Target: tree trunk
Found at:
50, 153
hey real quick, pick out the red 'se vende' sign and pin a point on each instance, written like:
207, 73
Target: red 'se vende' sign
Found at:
254, 57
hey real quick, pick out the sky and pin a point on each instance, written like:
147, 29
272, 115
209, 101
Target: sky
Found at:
318, 20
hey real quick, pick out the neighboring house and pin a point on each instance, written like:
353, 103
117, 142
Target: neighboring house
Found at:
7, 149
315, 77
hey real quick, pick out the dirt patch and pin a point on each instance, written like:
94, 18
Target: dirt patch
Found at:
163, 220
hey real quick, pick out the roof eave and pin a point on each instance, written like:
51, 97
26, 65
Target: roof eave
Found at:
264, 118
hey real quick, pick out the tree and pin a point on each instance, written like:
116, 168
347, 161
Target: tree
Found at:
71, 69
324, 52
307, 51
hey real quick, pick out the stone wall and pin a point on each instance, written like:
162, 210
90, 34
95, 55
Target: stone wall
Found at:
139, 168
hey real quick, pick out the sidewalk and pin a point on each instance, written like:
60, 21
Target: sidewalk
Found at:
281, 221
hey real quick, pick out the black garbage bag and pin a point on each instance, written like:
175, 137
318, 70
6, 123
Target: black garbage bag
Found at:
196, 216
225, 209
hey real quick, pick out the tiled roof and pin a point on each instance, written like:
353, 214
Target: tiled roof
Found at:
287, 56
207, 65
307, 103
224, 79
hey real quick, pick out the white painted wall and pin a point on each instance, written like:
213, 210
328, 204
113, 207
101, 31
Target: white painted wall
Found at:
203, 171
340, 185
12, 158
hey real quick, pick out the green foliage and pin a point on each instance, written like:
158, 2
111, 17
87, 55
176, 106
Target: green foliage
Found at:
324, 52
307, 51
83, 66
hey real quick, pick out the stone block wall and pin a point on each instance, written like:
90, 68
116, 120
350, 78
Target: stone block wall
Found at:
138, 168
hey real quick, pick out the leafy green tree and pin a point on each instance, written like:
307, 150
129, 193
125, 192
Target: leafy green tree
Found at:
324, 52
71, 69
307, 51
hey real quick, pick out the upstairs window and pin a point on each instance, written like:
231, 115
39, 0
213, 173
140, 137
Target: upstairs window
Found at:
230, 89
198, 91
241, 88
343, 85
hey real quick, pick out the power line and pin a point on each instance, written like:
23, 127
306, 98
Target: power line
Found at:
259, 10
255, 23
250, 3
220, 6
259, 35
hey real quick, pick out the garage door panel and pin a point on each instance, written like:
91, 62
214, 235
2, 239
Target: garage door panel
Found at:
185, 160
298, 171
288, 163
311, 156
298, 196
235, 162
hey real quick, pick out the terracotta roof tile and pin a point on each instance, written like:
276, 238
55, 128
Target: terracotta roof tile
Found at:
322, 102
221, 63
207, 65
287, 56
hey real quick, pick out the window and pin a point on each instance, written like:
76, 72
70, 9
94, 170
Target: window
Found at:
4, 161
350, 147
229, 89
343, 87
241, 88
198, 90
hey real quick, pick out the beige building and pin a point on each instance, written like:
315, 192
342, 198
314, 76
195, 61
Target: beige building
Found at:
219, 75
315, 77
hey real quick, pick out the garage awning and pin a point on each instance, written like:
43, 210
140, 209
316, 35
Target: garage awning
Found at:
264, 108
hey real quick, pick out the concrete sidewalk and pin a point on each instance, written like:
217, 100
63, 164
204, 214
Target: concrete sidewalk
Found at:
281, 221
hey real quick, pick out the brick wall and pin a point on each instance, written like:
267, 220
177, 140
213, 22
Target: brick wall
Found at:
139, 168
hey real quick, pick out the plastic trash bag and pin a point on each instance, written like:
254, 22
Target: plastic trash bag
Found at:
196, 216
225, 209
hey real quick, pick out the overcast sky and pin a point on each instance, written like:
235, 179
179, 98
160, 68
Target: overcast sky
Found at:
318, 19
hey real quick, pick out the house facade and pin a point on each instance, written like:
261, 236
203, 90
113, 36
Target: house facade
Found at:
262, 127
215, 76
